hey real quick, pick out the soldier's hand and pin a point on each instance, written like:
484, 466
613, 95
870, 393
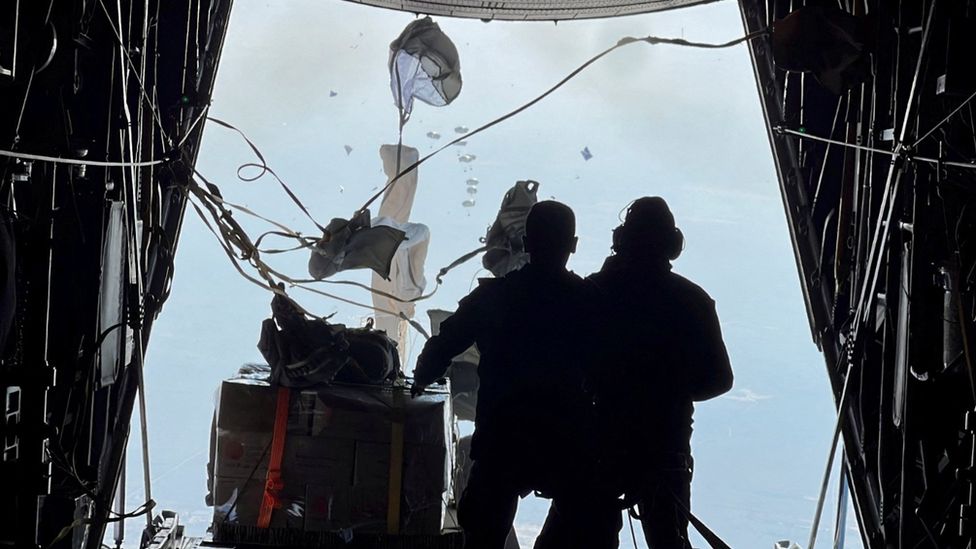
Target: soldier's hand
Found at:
417, 389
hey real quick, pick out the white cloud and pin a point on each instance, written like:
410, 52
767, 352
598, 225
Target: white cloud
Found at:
746, 395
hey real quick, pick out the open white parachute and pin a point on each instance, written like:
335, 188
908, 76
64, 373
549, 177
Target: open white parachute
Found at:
424, 64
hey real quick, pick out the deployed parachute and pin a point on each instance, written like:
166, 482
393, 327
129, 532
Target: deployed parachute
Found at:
505, 250
424, 65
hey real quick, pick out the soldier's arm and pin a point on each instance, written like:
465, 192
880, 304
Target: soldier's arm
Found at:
457, 333
711, 365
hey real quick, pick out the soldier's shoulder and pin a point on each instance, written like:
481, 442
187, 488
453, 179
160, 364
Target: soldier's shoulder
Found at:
489, 281
488, 285
689, 290
598, 279
484, 291
574, 278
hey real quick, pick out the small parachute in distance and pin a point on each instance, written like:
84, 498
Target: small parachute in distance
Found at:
472, 190
424, 65
433, 135
473, 182
461, 129
586, 153
466, 158
333, 93
468, 203
461, 144
348, 149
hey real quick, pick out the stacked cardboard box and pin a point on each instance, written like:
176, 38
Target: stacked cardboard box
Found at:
336, 460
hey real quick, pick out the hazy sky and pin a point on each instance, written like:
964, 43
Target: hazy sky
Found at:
681, 123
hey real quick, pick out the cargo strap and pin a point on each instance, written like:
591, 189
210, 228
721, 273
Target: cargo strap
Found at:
396, 464
273, 483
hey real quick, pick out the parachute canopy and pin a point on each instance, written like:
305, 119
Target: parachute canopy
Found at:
424, 65
505, 250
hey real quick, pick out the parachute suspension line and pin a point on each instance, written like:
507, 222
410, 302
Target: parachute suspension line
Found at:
233, 237
403, 115
262, 165
841, 410
251, 251
625, 41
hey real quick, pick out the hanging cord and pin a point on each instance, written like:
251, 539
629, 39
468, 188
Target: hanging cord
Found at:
144, 509
233, 237
251, 250
57, 457
262, 165
652, 40
404, 116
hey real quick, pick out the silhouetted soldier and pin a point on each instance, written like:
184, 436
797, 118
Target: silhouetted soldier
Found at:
663, 351
531, 405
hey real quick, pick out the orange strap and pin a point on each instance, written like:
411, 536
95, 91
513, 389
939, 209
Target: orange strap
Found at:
274, 484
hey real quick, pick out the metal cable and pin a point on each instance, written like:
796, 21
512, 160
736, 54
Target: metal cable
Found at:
944, 120
841, 409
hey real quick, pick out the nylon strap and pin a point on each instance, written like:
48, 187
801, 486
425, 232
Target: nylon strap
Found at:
396, 464
711, 537
273, 483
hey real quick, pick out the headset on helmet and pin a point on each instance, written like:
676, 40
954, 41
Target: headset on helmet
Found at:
649, 228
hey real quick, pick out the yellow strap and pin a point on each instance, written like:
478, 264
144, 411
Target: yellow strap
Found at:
396, 464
